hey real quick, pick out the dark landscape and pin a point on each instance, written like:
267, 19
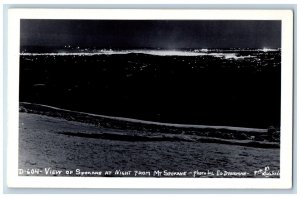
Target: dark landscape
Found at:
209, 89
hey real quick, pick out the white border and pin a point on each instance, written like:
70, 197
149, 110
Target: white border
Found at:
285, 181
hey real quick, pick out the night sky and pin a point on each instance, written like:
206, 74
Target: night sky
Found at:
165, 34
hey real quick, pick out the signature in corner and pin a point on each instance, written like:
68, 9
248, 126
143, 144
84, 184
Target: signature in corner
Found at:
266, 172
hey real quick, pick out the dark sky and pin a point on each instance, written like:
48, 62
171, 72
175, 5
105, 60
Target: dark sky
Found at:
170, 34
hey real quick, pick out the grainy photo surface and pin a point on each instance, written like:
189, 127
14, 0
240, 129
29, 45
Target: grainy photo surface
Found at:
150, 98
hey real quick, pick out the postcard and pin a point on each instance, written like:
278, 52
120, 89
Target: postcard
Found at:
139, 98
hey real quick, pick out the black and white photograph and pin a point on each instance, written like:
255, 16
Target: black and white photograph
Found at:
150, 98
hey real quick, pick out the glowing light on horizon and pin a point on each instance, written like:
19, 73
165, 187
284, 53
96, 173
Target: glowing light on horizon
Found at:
265, 49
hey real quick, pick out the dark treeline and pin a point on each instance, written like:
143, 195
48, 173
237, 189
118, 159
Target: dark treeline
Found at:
176, 89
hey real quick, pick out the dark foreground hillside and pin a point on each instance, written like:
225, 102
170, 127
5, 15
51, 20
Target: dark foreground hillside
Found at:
55, 139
